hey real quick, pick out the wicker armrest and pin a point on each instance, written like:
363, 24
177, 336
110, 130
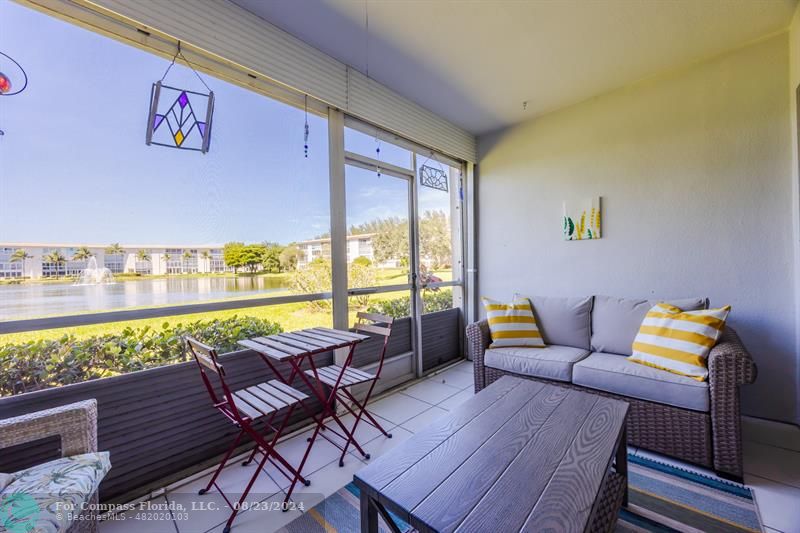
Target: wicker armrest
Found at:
729, 366
730, 362
76, 423
478, 339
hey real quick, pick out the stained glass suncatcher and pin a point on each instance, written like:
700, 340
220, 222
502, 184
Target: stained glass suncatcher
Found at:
432, 177
180, 118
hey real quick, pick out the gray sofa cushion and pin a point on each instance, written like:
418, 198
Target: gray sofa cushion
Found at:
616, 321
564, 321
614, 373
552, 362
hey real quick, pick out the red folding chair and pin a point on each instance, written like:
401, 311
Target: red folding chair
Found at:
342, 378
245, 408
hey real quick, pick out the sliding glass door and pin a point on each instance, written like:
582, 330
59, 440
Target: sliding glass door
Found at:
440, 265
404, 244
380, 242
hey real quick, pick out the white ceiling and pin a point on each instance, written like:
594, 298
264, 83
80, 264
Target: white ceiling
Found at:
475, 62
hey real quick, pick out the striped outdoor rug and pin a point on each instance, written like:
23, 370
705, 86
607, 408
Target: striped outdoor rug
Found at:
663, 498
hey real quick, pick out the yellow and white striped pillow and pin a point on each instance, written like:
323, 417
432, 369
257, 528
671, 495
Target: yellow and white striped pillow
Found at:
512, 324
679, 341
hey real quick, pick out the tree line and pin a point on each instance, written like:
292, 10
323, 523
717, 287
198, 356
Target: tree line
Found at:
390, 239
264, 257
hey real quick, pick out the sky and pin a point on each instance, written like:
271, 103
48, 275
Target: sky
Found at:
74, 166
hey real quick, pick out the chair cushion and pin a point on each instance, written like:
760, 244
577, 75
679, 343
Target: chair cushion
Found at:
54, 487
5, 480
615, 373
551, 362
616, 321
564, 321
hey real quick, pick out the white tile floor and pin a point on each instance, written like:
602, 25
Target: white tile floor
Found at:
772, 470
772, 466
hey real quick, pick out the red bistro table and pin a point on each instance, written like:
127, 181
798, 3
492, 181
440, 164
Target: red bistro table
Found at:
292, 348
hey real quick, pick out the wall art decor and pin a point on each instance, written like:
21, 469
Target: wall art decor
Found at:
581, 220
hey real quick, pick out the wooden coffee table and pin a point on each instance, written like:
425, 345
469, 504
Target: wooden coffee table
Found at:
520, 455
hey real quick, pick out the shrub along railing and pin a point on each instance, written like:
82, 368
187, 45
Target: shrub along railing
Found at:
433, 301
442, 325
44, 363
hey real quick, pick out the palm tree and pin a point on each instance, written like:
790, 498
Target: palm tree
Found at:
115, 249
166, 258
206, 255
142, 257
55, 257
186, 256
82, 254
20, 254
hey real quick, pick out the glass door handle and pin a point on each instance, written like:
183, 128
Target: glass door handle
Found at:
357, 292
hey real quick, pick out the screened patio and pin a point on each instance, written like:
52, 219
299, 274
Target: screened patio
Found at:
233, 196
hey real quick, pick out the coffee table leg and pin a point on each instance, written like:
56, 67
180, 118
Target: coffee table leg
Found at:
622, 461
369, 514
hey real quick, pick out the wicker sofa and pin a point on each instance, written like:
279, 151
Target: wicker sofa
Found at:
588, 339
59, 486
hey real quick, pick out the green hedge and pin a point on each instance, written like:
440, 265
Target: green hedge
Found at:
438, 300
42, 364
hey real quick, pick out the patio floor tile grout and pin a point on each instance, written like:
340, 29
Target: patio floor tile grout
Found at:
352, 453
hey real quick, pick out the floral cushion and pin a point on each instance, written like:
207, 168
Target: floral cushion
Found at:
5, 480
41, 498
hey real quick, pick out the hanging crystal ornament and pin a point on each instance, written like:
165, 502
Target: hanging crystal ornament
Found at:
305, 137
378, 152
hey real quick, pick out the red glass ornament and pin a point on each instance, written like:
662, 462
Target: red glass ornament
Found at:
5, 84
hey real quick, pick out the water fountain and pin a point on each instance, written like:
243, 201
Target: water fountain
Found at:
92, 275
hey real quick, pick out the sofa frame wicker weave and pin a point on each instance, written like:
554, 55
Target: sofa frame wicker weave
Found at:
710, 439
76, 425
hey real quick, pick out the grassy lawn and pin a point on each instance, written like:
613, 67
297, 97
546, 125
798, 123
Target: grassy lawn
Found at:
290, 316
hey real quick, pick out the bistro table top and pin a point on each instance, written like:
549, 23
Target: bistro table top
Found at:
283, 346
519, 455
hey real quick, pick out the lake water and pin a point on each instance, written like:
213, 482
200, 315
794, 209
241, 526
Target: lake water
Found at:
47, 299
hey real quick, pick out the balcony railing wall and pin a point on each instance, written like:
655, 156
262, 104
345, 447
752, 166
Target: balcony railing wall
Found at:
442, 334
368, 351
158, 424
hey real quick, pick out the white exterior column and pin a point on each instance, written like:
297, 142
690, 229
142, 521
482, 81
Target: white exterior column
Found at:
338, 218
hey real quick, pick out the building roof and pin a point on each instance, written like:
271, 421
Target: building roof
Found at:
122, 245
349, 238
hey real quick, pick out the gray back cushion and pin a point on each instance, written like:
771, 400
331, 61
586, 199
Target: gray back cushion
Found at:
616, 321
564, 321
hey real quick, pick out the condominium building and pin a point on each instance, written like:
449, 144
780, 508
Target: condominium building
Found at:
126, 258
357, 246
